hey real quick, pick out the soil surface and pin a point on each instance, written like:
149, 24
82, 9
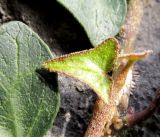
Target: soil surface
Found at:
58, 28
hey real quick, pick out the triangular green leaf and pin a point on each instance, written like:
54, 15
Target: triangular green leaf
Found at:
89, 66
101, 19
28, 105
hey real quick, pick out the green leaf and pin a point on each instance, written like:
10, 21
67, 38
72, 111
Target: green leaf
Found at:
101, 19
28, 105
89, 66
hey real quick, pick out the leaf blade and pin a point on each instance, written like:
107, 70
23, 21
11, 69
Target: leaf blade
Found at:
100, 19
90, 66
27, 105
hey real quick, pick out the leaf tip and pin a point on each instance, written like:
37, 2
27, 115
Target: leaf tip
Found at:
112, 41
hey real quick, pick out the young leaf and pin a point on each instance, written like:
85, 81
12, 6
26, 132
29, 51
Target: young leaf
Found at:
90, 66
27, 105
101, 19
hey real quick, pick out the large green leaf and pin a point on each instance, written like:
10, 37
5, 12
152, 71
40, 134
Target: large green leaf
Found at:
101, 19
89, 66
28, 105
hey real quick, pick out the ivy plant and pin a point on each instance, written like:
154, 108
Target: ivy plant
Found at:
29, 102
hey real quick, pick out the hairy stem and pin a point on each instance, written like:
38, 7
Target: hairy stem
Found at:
103, 113
130, 29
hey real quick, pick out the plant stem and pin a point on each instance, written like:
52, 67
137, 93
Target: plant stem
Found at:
103, 113
130, 29
135, 118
